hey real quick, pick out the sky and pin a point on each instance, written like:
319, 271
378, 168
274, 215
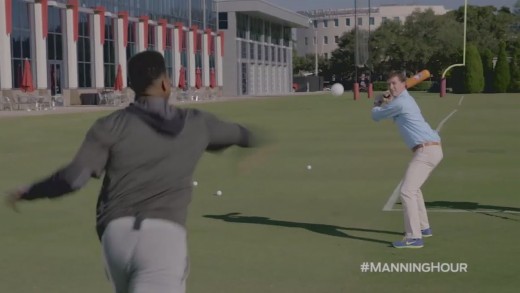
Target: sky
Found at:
298, 5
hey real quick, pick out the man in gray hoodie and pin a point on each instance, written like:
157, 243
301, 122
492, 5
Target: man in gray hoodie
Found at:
148, 153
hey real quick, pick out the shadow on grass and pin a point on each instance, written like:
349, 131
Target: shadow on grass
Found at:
469, 206
324, 229
487, 210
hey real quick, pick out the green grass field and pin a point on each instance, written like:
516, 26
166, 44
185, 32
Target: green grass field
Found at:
283, 228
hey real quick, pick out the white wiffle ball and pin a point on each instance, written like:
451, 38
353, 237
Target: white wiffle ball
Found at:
337, 89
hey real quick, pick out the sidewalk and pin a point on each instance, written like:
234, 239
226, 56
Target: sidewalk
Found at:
86, 109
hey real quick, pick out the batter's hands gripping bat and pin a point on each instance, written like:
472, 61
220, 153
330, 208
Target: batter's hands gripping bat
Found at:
410, 83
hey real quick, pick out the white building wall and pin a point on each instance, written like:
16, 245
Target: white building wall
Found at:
41, 49
120, 49
6, 81
71, 59
389, 12
95, 42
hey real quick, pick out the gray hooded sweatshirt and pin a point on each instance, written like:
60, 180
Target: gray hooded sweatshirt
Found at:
148, 153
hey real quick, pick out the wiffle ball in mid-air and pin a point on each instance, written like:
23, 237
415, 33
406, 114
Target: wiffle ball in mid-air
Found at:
337, 89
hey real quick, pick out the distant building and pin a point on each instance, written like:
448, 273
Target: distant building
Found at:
74, 47
327, 26
258, 46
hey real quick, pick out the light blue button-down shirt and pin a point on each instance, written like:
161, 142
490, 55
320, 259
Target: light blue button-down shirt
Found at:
406, 114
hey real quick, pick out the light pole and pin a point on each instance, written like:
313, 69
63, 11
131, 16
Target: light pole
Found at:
316, 52
311, 23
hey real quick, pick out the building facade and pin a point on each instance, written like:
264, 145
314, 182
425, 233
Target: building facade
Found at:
258, 46
76, 46
326, 27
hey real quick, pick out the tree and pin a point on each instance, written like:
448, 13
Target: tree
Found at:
303, 63
502, 75
429, 41
487, 64
385, 45
514, 85
425, 40
487, 26
474, 77
470, 78
342, 59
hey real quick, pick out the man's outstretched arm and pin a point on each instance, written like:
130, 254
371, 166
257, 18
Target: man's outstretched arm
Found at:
90, 161
222, 134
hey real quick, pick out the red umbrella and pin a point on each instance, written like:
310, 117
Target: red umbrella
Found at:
182, 78
118, 86
212, 78
27, 83
198, 78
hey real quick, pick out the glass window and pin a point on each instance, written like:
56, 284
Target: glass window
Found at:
360, 21
84, 56
223, 20
151, 37
286, 36
242, 25
168, 56
257, 29
211, 16
336, 39
267, 32
20, 40
172, 10
325, 23
198, 50
259, 52
197, 12
336, 22
243, 50
347, 21
325, 40
131, 46
276, 33
371, 21
109, 59
315, 23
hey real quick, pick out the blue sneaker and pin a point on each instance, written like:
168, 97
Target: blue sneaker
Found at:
409, 243
427, 232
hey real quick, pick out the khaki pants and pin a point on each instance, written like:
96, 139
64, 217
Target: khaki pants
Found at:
415, 217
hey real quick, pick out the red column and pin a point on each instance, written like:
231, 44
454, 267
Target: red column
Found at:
356, 91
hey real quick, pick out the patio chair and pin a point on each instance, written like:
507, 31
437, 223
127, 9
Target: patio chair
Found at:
6, 103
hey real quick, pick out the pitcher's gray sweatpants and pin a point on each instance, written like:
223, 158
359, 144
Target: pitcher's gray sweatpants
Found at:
149, 259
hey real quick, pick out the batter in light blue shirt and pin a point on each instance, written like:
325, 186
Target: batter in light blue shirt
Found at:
406, 114
427, 154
